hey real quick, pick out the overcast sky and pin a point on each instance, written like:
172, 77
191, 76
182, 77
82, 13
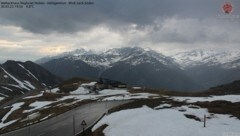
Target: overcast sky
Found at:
164, 25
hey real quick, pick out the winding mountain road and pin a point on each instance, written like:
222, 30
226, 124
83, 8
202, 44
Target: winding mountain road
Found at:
62, 125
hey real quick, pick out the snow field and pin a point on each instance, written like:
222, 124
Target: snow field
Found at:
167, 122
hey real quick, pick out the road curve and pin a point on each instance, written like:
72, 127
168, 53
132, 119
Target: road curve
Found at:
62, 125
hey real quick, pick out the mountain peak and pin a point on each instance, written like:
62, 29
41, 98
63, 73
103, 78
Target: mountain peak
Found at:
77, 52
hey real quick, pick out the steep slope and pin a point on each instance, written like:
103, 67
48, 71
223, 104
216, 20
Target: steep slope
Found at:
18, 77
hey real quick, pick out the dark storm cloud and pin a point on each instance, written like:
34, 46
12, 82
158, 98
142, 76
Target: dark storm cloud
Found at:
68, 19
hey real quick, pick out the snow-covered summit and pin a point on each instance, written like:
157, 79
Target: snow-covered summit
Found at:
77, 52
135, 56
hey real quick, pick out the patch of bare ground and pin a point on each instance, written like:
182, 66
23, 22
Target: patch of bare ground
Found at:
5, 100
221, 107
4, 111
192, 117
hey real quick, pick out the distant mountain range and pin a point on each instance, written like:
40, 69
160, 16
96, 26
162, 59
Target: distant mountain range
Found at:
18, 77
134, 66
198, 57
210, 68
183, 71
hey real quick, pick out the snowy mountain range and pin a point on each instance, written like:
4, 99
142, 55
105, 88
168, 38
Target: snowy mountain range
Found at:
110, 57
210, 68
226, 59
186, 70
19, 77
132, 65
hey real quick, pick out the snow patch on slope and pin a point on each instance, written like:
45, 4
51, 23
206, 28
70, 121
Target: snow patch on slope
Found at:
4, 95
38, 105
34, 96
6, 88
15, 107
29, 84
21, 84
28, 71
80, 90
1, 98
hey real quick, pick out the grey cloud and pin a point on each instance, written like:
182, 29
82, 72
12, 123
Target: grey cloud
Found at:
69, 19
21, 54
